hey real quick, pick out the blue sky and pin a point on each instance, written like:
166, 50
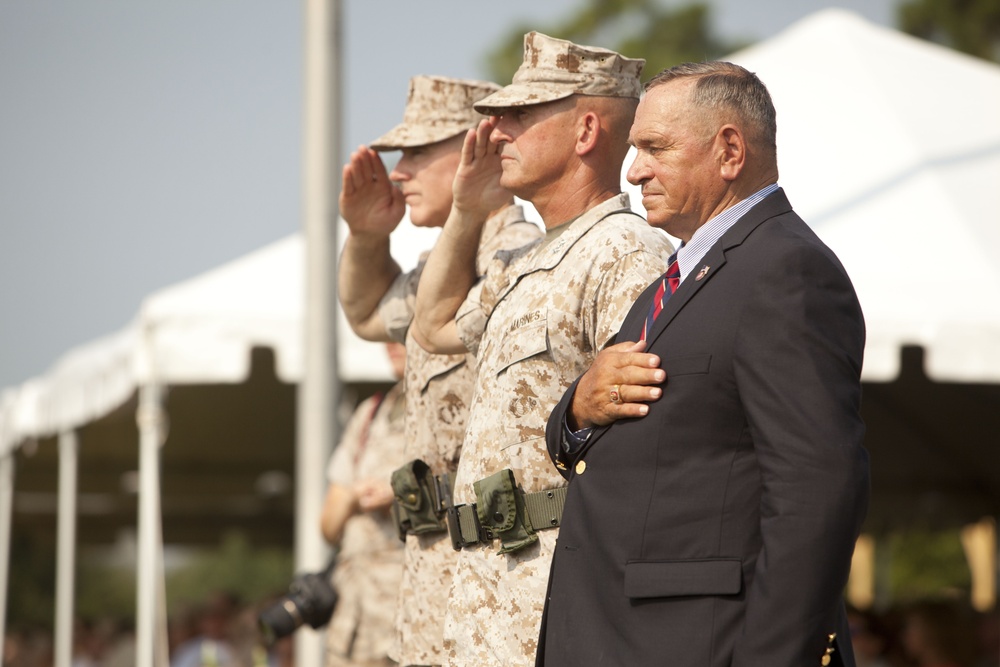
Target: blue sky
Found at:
144, 143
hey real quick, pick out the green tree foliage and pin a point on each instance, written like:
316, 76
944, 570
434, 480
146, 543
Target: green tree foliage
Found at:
927, 564
236, 566
32, 584
108, 591
970, 26
635, 28
105, 591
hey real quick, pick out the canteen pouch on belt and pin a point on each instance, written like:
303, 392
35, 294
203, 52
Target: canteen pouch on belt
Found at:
416, 503
500, 509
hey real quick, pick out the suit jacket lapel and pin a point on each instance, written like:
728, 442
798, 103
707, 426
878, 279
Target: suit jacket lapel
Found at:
715, 258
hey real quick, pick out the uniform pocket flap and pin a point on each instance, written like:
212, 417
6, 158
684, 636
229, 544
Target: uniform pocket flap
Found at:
656, 579
437, 365
406, 486
526, 341
496, 505
687, 365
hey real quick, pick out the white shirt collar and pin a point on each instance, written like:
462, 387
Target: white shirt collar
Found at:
690, 254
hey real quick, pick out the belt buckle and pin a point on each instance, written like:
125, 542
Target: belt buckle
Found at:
486, 535
454, 530
458, 542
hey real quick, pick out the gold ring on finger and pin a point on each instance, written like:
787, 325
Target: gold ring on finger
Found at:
616, 394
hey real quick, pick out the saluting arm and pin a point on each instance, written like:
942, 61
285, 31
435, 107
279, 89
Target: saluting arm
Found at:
372, 207
450, 271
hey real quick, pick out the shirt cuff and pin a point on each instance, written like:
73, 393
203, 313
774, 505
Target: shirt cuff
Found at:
574, 440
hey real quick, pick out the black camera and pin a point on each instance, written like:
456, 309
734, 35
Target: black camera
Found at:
311, 599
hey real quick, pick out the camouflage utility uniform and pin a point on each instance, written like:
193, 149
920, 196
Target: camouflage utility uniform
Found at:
369, 567
539, 320
438, 392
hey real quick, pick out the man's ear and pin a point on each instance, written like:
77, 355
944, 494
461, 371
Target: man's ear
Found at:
588, 132
731, 148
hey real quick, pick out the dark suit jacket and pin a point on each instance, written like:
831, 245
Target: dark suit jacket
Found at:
718, 530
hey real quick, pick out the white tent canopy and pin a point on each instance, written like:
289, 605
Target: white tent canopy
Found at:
197, 331
889, 147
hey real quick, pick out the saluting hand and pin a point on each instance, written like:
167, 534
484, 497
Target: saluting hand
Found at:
477, 183
369, 202
619, 384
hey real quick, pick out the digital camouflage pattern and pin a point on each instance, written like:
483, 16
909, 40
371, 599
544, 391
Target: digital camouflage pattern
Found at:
541, 317
438, 392
369, 566
437, 108
553, 69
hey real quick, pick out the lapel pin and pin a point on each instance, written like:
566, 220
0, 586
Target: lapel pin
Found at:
702, 273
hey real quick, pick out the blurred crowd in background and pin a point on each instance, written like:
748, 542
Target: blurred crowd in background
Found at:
222, 632
219, 631
926, 633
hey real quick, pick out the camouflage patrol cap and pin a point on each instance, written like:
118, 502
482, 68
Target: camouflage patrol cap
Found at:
555, 68
437, 108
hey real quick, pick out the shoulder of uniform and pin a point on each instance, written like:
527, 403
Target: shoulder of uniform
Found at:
630, 231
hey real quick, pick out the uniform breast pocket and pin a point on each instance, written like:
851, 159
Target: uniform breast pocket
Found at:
523, 343
688, 365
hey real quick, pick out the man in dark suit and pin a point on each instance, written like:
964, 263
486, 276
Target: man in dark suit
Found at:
717, 475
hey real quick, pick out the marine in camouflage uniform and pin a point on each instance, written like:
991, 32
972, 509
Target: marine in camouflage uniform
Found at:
438, 387
540, 315
438, 392
370, 562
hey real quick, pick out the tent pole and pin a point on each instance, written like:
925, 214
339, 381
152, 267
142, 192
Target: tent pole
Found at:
6, 518
151, 429
161, 640
319, 391
861, 583
979, 541
66, 549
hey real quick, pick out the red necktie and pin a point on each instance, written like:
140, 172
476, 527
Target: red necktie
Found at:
668, 285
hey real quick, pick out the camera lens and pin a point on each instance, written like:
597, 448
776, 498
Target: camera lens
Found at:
279, 620
311, 599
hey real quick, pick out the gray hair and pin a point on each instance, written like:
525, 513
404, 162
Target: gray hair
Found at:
722, 85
